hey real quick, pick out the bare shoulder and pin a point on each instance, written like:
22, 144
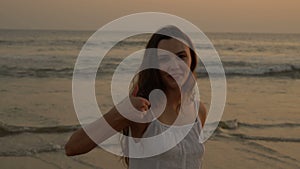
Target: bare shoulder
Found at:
202, 113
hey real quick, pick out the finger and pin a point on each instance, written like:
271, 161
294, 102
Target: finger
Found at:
145, 105
142, 113
144, 108
145, 101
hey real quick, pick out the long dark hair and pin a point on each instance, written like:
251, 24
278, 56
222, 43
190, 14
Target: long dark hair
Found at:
147, 80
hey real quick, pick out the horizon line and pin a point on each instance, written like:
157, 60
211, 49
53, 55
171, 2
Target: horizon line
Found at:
90, 30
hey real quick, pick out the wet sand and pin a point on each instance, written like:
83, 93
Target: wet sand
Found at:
40, 102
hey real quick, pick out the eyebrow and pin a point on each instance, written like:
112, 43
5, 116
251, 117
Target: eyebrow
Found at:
181, 52
178, 53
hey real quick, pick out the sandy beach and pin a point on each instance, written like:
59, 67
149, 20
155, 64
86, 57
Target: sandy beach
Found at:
31, 102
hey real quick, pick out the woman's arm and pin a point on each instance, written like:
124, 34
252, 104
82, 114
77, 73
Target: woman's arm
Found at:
202, 113
80, 142
105, 127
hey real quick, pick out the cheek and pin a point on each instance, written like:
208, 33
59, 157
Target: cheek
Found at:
189, 57
166, 66
186, 66
163, 67
189, 64
189, 61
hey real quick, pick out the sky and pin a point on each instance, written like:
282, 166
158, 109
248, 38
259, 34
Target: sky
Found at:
267, 16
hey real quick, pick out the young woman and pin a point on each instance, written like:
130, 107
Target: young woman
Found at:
175, 53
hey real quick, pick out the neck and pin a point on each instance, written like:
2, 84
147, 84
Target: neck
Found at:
172, 108
173, 99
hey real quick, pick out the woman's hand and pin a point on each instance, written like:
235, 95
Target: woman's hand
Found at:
135, 109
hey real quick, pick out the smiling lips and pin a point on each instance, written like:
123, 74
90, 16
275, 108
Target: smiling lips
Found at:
176, 76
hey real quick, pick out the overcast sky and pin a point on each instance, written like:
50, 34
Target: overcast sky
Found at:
281, 16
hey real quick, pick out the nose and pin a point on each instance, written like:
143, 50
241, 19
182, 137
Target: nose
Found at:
174, 64
170, 62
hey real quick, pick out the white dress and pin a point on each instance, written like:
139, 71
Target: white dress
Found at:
187, 154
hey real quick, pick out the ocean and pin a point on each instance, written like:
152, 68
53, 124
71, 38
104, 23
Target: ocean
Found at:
53, 53
259, 128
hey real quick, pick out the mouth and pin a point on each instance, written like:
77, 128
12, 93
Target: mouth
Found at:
176, 76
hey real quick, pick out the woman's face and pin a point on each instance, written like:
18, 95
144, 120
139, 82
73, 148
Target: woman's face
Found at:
175, 61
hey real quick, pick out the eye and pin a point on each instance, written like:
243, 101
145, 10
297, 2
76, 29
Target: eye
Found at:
182, 56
